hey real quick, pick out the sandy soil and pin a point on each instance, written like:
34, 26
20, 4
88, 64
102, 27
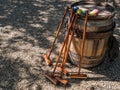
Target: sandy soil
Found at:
27, 29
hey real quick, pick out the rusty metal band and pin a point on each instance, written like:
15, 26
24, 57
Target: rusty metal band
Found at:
95, 35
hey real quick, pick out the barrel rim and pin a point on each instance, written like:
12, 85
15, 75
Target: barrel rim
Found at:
100, 17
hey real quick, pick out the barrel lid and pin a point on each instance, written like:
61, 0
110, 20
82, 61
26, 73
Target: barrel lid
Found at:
106, 11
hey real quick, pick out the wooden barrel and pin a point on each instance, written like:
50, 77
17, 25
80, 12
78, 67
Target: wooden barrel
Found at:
99, 29
102, 22
94, 49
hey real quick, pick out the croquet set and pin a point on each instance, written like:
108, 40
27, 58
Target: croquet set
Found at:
89, 28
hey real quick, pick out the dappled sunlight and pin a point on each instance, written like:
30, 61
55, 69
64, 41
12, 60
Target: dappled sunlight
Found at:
24, 36
15, 43
27, 30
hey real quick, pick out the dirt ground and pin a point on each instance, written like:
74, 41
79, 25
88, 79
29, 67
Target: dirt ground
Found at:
27, 29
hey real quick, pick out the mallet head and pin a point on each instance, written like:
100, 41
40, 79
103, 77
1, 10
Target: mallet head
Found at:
47, 59
51, 78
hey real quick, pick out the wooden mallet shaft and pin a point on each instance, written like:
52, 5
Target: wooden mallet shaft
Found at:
47, 56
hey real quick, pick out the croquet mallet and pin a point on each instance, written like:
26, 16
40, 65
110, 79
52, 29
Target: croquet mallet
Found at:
66, 50
47, 56
79, 75
53, 77
63, 70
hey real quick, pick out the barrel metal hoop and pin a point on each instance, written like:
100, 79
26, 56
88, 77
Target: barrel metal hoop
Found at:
95, 35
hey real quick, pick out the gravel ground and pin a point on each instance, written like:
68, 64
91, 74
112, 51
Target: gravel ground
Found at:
27, 29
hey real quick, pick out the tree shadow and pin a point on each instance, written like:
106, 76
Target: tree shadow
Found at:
32, 22
27, 23
16, 75
108, 69
38, 18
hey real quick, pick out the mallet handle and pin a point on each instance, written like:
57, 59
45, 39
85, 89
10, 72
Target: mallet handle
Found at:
58, 30
67, 34
83, 41
69, 40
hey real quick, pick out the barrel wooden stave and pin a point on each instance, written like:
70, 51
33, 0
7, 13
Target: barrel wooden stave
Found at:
94, 51
99, 29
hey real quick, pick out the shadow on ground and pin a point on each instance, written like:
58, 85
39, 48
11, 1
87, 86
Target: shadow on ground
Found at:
38, 18
25, 25
16, 75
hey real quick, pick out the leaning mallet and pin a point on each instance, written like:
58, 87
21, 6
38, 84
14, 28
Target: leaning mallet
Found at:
60, 79
63, 70
52, 77
79, 75
47, 56
59, 67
